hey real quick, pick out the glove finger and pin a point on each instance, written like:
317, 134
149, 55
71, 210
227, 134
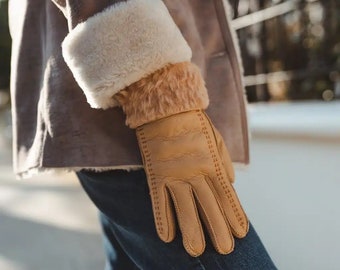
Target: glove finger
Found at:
213, 216
161, 205
187, 216
224, 154
163, 213
231, 206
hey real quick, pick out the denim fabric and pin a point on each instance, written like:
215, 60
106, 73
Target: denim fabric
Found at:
130, 238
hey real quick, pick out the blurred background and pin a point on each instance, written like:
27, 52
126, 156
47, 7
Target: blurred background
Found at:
291, 55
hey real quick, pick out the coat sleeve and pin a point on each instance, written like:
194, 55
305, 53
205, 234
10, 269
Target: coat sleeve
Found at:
116, 45
77, 11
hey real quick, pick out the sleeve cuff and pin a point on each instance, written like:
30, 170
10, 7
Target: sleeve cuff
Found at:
121, 45
171, 90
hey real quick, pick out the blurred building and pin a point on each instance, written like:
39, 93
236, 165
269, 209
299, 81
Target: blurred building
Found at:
290, 48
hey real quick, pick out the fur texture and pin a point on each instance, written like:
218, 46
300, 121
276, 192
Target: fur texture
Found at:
170, 90
121, 45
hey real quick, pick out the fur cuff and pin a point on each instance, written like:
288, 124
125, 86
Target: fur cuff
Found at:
119, 46
170, 90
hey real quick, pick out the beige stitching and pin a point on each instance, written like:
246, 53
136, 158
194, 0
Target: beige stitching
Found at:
168, 214
219, 173
151, 180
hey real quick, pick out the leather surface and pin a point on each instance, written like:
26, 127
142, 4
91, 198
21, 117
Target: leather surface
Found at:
188, 166
77, 11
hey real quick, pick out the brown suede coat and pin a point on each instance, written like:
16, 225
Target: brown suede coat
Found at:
54, 127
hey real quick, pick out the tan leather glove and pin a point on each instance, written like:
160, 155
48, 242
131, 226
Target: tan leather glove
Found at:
188, 168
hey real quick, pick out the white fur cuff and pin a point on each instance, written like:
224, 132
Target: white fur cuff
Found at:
121, 45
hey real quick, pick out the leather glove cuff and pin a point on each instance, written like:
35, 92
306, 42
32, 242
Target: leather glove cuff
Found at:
170, 90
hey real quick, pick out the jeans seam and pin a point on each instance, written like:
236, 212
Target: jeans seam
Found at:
200, 264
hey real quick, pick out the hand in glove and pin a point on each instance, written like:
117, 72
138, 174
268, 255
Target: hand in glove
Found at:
187, 164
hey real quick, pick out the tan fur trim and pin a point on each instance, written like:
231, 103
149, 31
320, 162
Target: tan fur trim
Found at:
121, 45
170, 90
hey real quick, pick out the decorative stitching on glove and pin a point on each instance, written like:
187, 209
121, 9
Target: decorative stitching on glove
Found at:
219, 173
152, 180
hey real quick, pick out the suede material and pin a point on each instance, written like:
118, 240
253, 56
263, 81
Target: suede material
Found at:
185, 161
77, 11
54, 126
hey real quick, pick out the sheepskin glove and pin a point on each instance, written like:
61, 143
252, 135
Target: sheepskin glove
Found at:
187, 164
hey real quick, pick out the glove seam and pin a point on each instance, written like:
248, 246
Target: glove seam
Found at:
211, 230
219, 174
155, 198
187, 242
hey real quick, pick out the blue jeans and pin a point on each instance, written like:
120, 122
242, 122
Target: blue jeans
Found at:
130, 238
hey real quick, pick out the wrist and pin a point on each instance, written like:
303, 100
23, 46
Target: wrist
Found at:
170, 90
